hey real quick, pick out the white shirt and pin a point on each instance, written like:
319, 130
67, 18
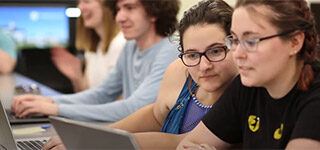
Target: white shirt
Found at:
99, 63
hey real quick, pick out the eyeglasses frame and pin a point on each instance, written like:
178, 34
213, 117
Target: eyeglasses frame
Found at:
225, 48
256, 40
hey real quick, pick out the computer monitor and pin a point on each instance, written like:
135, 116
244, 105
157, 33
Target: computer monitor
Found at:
36, 27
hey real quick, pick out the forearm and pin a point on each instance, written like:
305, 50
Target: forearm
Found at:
202, 135
142, 120
303, 143
113, 111
157, 140
97, 95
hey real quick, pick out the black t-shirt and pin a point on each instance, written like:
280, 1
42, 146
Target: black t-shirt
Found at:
252, 117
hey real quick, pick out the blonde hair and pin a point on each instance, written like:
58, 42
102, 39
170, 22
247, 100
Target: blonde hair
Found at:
87, 39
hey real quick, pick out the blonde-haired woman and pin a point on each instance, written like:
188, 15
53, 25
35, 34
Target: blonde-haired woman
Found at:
98, 35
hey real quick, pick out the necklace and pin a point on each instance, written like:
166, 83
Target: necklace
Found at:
199, 104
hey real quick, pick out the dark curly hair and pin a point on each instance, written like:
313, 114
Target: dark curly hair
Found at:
164, 10
206, 12
292, 15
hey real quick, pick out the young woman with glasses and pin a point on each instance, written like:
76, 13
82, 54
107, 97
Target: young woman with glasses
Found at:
191, 85
274, 103
189, 89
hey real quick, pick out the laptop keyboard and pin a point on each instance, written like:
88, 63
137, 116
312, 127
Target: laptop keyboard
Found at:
11, 116
31, 145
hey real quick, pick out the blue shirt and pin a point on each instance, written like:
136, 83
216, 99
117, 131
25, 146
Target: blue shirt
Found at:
137, 75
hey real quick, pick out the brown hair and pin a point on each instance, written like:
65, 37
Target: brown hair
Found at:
87, 39
164, 10
293, 15
206, 12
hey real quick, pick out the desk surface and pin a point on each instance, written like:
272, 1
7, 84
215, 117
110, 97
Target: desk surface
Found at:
7, 91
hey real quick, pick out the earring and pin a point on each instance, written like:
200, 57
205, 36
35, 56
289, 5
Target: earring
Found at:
294, 52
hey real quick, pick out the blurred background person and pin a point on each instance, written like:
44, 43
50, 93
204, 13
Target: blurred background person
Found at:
137, 74
99, 36
8, 54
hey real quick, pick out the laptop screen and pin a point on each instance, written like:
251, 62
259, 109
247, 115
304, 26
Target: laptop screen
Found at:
73, 136
36, 27
6, 138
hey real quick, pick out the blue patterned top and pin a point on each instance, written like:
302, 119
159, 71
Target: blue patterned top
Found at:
193, 115
184, 117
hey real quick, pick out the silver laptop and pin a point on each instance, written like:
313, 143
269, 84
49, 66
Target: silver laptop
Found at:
82, 135
7, 142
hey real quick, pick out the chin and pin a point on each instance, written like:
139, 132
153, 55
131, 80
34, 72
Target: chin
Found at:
128, 37
211, 88
88, 25
249, 82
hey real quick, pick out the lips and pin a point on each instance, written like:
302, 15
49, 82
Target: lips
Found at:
244, 69
85, 15
208, 76
125, 28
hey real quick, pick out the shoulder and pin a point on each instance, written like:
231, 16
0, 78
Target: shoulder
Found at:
166, 46
166, 50
174, 77
176, 69
172, 83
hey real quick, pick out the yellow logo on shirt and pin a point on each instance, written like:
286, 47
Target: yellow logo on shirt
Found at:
254, 123
278, 133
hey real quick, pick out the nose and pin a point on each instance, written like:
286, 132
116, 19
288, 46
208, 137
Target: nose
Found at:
205, 64
239, 52
120, 16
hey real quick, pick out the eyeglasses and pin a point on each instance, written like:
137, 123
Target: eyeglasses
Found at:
250, 44
213, 54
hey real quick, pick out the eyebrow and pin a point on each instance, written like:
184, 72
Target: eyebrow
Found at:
130, 5
246, 33
210, 46
215, 45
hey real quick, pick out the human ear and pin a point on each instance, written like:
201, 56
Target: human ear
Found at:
153, 19
296, 42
